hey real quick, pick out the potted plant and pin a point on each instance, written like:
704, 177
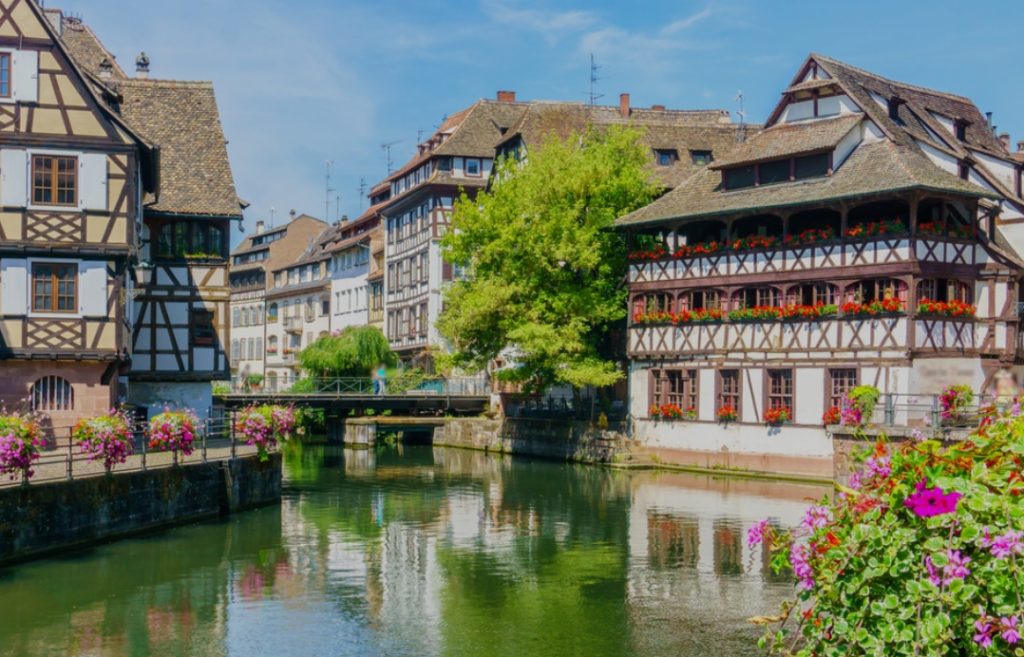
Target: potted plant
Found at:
20, 443
265, 426
727, 413
174, 431
859, 406
955, 402
105, 437
776, 416
691, 413
953, 308
832, 416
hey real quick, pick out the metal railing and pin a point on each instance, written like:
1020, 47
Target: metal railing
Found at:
900, 410
453, 386
564, 408
61, 459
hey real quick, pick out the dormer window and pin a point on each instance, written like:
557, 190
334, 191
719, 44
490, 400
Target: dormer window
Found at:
701, 158
964, 170
777, 171
960, 127
894, 108
444, 164
666, 158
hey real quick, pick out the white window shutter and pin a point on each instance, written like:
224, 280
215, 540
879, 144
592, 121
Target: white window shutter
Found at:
92, 289
92, 181
25, 71
13, 178
14, 286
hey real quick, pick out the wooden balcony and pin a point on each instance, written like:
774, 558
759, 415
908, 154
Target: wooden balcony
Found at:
893, 335
886, 252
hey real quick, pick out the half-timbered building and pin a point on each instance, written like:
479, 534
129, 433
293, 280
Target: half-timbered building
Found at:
72, 176
180, 309
351, 260
856, 239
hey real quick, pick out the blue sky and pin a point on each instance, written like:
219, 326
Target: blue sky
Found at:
305, 81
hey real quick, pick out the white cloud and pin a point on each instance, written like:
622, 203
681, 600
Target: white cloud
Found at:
551, 24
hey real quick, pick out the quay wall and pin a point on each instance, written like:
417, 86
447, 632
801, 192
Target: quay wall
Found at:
46, 519
552, 439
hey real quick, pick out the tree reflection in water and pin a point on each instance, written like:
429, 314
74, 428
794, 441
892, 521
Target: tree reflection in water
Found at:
420, 551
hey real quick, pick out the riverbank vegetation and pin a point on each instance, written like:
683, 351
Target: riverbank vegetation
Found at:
544, 270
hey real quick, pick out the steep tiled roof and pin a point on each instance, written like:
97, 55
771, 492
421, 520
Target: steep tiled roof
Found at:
791, 139
87, 49
918, 102
477, 132
877, 167
182, 118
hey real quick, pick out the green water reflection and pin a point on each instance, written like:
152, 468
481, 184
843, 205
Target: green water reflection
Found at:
419, 551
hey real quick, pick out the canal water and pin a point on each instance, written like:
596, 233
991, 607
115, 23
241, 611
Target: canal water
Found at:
417, 551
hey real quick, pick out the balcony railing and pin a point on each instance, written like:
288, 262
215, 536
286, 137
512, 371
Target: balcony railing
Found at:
292, 324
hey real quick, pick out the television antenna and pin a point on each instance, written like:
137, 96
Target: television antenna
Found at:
362, 192
273, 211
741, 133
594, 68
387, 148
327, 191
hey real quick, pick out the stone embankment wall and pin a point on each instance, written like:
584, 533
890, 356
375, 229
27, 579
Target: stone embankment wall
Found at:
554, 439
50, 518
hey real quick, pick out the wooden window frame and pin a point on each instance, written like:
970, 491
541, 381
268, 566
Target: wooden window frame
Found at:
54, 287
708, 156
721, 394
679, 386
53, 185
830, 389
769, 394
6, 60
195, 325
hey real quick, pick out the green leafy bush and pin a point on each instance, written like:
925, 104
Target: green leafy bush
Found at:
921, 555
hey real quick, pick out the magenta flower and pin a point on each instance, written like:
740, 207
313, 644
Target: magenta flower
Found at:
799, 557
756, 533
817, 517
929, 502
1010, 633
1006, 544
984, 636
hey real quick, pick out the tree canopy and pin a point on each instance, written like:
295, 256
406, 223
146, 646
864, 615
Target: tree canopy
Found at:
546, 272
355, 351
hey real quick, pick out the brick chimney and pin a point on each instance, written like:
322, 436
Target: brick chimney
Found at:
344, 220
507, 96
624, 105
1004, 139
259, 227
1020, 146
658, 108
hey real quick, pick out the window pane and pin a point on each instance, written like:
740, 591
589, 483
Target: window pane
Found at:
42, 180
67, 181
772, 172
739, 177
5, 75
812, 166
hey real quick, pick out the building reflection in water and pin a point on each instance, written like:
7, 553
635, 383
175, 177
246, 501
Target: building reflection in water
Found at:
426, 552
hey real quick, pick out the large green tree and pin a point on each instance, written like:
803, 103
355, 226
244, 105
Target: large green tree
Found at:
546, 270
355, 352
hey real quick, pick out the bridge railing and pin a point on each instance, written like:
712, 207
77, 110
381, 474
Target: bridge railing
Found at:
454, 386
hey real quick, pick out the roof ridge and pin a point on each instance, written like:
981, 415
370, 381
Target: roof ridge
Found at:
906, 85
155, 82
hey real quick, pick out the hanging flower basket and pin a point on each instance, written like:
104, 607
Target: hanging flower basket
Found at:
20, 444
105, 437
174, 431
265, 426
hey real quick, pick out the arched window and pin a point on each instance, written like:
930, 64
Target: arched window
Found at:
652, 303
272, 345
52, 393
700, 300
945, 290
272, 313
877, 289
757, 297
813, 294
